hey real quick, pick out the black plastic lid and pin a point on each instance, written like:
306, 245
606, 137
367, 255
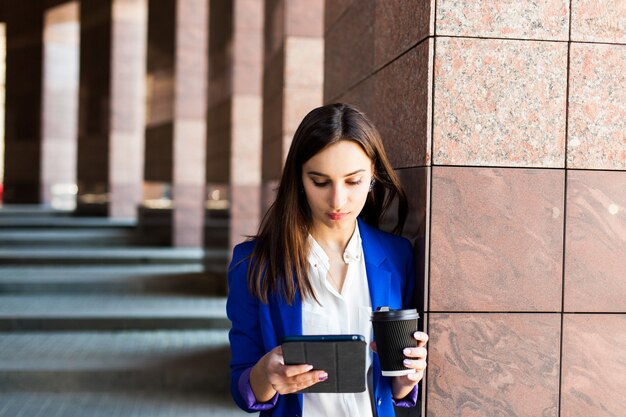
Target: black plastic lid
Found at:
386, 314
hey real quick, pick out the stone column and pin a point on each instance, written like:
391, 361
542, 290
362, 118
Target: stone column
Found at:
112, 105
22, 158
127, 118
60, 105
245, 161
190, 104
293, 79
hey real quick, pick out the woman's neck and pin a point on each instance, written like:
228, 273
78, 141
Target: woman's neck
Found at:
333, 239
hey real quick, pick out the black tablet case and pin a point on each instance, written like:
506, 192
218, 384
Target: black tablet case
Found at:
344, 361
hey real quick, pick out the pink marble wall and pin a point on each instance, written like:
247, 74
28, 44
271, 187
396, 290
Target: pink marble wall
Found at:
512, 113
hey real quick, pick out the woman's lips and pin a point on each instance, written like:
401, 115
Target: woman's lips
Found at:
337, 216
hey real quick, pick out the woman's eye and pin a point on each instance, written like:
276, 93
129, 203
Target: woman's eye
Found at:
320, 184
357, 182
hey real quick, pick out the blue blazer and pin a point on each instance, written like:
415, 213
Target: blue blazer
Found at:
257, 328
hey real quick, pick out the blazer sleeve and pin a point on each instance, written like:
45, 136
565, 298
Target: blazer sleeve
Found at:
246, 339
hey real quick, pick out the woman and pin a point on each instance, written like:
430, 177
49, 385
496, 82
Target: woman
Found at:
318, 266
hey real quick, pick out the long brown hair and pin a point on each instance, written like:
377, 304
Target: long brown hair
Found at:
279, 262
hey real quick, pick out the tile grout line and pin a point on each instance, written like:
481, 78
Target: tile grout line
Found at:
433, 15
565, 182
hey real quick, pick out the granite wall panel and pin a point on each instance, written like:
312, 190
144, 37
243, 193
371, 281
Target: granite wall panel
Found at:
597, 107
349, 50
499, 103
594, 365
399, 26
494, 365
599, 21
595, 242
518, 19
402, 111
496, 239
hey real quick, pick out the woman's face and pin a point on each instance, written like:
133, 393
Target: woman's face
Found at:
336, 183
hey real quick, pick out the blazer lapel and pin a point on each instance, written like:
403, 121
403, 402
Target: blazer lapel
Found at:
378, 277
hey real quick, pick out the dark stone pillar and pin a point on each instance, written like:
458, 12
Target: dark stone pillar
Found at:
22, 158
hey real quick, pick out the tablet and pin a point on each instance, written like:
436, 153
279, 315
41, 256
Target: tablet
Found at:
341, 356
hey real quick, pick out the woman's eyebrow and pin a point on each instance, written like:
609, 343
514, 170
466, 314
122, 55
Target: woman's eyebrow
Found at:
319, 174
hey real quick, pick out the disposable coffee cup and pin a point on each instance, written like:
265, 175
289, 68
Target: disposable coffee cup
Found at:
393, 332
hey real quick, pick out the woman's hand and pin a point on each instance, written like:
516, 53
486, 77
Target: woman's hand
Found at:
416, 359
270, 375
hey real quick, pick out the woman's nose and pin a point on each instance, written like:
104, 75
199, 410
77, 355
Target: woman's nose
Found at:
339, 196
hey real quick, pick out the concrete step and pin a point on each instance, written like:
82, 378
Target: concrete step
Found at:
189, 279
32, 210
112, 255
165, 403
111, 312
152, 360
113, 236
63, 222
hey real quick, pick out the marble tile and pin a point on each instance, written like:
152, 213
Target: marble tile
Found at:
595, 242
499, 102
402, 111
361, 96
494, 365
334, 10
599, 21
496, 239
597, 107
305, 18
594, 348
520, 19
399, 25
349, 49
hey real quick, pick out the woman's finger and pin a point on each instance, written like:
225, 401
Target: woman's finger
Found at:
418, 365
298, 382
418, 352
295, 370
421, 337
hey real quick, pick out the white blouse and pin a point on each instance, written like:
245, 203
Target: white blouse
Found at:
347, 312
